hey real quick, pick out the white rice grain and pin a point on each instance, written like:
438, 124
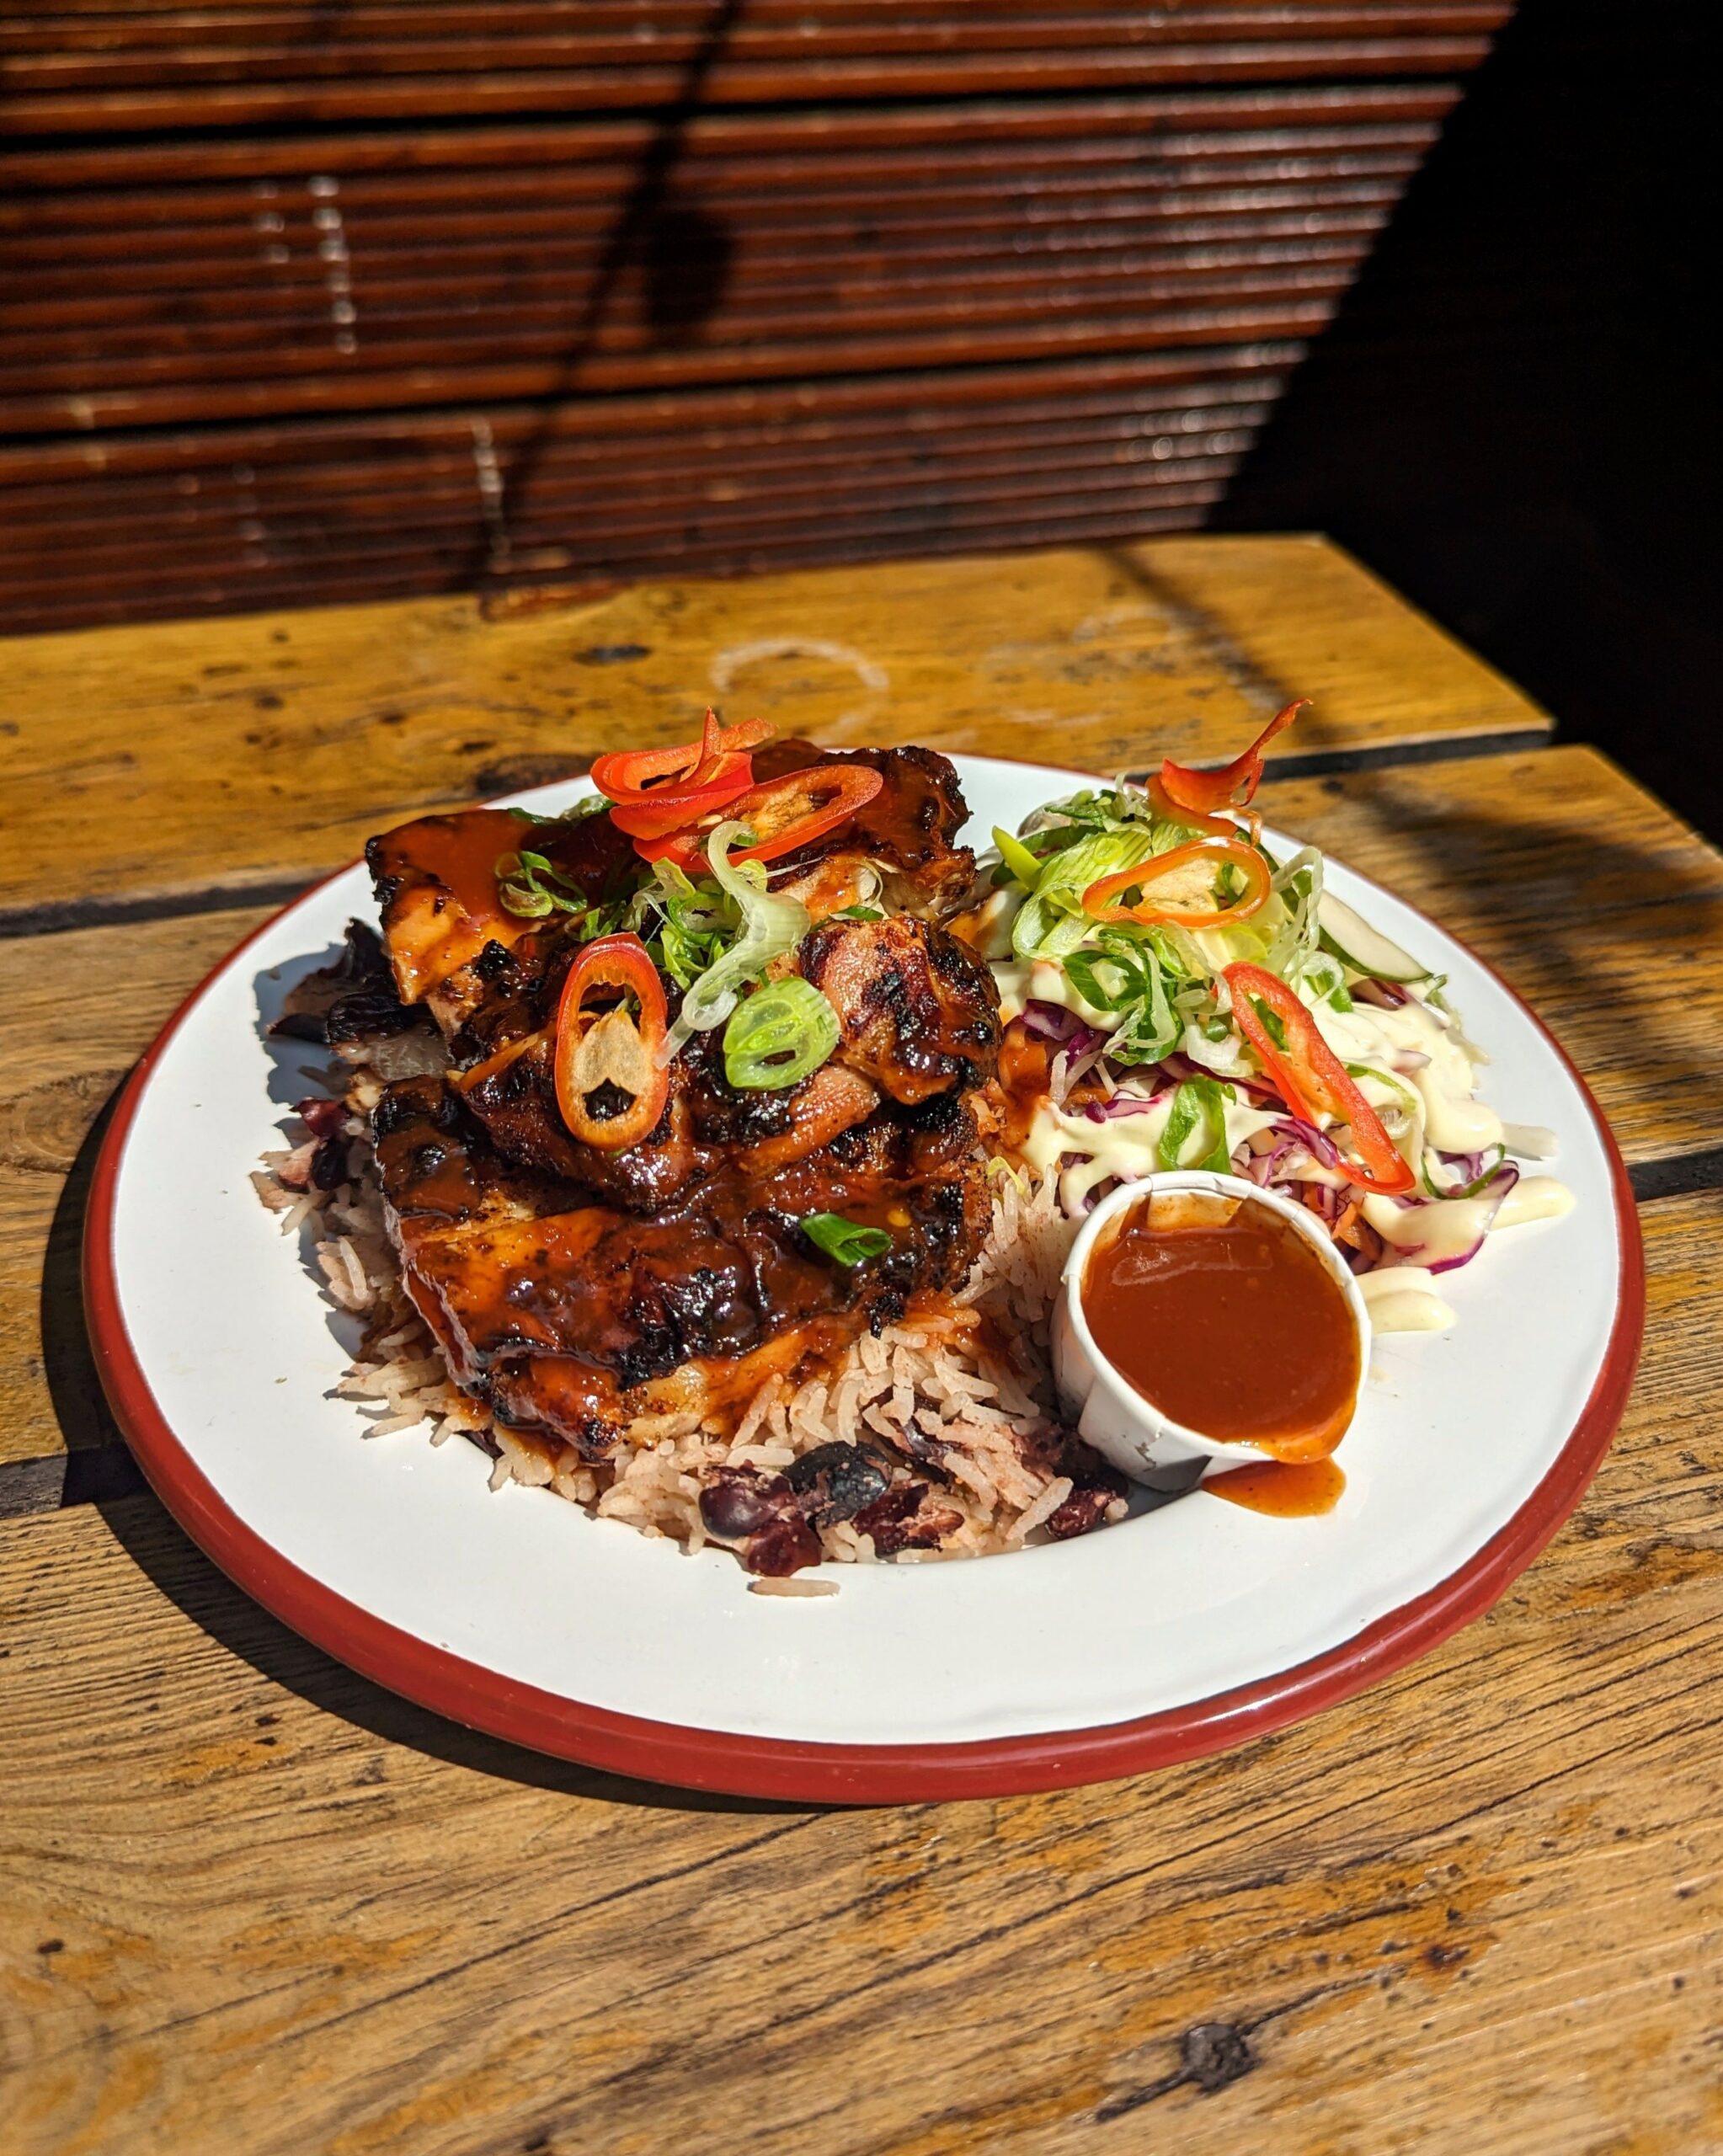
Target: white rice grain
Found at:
986, 1411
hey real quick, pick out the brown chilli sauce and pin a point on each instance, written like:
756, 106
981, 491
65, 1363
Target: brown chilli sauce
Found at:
1283, 1489
1221, 1314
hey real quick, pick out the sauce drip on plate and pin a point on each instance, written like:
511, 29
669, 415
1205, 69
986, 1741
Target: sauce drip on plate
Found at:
1220, 1312
1281, 1488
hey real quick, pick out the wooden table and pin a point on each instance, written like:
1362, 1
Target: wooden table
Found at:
253, 1903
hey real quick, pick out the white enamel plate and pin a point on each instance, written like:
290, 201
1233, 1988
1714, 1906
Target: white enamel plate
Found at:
1175, 1633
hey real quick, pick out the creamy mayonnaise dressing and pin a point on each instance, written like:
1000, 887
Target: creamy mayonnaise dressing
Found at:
1533, 1198
1425, 1093
1400, 1299
1419, 1044
1125, 1146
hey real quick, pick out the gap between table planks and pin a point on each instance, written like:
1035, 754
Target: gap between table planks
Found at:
1478, 1906
1599, 906
167, 768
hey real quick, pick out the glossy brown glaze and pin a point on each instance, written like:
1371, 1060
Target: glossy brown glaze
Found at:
520, 1272
437, 888
1284, 1489
1223, 1316
908, 828
436, 884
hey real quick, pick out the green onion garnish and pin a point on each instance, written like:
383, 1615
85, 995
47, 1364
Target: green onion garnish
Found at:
779, 1034
846, 1240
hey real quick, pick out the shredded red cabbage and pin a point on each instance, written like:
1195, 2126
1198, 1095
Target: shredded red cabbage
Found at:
1493, 1197
1052, 1021
1121, 1104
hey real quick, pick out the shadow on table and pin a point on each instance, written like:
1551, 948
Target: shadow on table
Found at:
100, 1471
211, 1601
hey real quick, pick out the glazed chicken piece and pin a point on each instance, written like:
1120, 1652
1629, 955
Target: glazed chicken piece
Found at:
577, 1288
572, 1317
908, 830
821, 1108
919, 1017
515, 1097
449, 937
919, 1011
447, 933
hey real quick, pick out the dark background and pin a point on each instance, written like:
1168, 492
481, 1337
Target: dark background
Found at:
313, 300
1515, 415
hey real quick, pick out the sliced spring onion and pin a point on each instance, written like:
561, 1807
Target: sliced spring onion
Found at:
1475, 1188
846, 1240
1221, 1053
531, 887
1025, 866
1135, 986
1401, 1109
778, 1035
1324, 976
772, 925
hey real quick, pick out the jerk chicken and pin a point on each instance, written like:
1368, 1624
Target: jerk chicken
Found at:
575, 1285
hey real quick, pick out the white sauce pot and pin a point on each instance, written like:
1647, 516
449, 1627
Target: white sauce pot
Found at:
1108, 1410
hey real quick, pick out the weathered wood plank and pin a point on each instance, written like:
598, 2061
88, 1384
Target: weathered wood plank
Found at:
1599, 933
1477, 1907
176, 756
292, 94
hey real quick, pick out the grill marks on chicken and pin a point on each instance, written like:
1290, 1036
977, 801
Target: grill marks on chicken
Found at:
572, 1316
908, 831
919, 1011
575, 1290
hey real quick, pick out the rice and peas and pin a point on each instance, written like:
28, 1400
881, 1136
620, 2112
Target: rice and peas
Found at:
939, 1384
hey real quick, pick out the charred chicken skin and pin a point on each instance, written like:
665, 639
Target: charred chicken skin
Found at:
574, 1289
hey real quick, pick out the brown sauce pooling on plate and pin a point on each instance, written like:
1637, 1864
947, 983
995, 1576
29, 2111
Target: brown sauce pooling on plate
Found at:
1284, 1489
1219, 1313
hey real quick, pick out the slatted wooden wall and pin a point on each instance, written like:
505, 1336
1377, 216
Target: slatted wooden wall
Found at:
308, 300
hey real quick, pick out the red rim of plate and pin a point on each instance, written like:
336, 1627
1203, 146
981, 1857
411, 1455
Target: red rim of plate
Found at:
791, 1769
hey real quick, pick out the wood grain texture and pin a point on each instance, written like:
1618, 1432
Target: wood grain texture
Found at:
47, 183
168, 759
1476, 1908
715, 481
1606, 941
340, 272
146, 46
447, 335
157, 68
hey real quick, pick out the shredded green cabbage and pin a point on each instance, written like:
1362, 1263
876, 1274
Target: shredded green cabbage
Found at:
772, 925
1053, 922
